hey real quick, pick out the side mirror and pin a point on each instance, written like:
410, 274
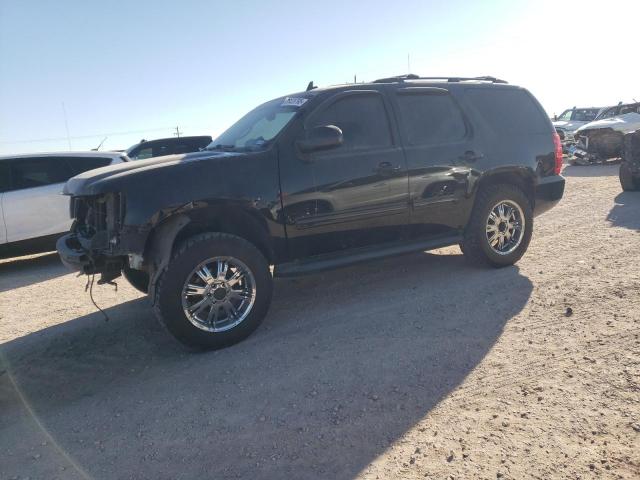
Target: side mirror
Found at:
321, 138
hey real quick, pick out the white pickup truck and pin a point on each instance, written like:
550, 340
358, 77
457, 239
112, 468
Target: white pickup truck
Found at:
33, 211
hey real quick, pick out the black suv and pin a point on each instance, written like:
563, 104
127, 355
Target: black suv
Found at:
316, 180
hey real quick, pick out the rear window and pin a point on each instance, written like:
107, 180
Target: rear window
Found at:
507, 112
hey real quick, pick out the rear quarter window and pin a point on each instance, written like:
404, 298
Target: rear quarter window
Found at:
507, 112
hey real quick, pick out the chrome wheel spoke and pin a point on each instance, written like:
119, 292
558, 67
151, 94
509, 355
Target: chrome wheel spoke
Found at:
228, 307
240, 294
223, 268
195, 289
212, 317
235, 278
199, 306
205, 274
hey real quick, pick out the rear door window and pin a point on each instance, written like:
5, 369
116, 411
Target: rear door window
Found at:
39, 172
83, 164
362, 117
508, 111
430, 118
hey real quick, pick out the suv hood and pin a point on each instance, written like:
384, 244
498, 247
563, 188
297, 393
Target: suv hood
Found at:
105, 179
629, 122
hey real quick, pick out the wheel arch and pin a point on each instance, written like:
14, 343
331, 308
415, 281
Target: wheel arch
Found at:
234, 219
521, 177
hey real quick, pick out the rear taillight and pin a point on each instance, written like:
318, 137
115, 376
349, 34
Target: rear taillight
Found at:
558, 151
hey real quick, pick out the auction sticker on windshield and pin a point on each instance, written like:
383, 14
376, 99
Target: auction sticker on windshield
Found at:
294, 102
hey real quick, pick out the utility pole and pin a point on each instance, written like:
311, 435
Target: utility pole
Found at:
178, 132
408, 63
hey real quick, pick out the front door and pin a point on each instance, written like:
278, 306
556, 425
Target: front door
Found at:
354, 195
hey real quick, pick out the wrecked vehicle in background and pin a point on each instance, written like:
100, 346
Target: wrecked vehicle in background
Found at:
572, 119
630, 166
603, 139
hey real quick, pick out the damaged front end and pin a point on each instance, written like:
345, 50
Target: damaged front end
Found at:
602, 140
94, 245
598, 145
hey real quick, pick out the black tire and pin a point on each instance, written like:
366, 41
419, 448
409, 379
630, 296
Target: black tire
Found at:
475, 246
168, 303
137, 278
627, 180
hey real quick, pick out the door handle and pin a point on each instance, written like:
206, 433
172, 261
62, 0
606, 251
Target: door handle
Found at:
471, 156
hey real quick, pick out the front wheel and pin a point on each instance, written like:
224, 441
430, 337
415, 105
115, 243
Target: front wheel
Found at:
215, 291
499, 231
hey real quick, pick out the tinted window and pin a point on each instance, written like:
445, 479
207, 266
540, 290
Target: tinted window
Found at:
4, 176
566, 115
143, 153
362, 119
611, 112
38, 172
630, 109
81, 164
508, 112
585, 115
428, 118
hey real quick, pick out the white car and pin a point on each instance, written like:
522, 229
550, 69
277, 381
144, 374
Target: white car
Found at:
33, 211
573, 118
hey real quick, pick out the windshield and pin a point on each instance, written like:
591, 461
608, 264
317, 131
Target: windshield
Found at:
259, 127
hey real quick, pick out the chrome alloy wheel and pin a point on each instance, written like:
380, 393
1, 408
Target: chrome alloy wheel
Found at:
219, 294
505, 227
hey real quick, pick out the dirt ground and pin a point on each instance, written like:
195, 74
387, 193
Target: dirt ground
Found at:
411, 367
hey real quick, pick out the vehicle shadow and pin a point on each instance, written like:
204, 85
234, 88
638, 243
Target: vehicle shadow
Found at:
608, 170
22, 271
345, 363
626, 211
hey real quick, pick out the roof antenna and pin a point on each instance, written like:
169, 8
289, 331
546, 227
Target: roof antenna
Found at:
311, 86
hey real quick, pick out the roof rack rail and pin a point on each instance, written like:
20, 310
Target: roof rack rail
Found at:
411, 76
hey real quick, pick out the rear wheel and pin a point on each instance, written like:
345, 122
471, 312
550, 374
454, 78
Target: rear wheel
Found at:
499, 231
627, 180
215, 291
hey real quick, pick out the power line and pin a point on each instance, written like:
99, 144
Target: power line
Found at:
79, 137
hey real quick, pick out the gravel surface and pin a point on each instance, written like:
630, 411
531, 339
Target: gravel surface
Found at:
411, 367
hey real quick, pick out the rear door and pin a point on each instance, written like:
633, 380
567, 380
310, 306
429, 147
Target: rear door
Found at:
34, 205
440, 153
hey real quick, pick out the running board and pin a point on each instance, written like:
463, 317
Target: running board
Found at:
320, 263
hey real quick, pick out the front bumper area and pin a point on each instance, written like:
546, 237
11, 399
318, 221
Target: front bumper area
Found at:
77, 257
549, 191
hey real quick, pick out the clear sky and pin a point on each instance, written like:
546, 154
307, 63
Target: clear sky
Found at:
146, 66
